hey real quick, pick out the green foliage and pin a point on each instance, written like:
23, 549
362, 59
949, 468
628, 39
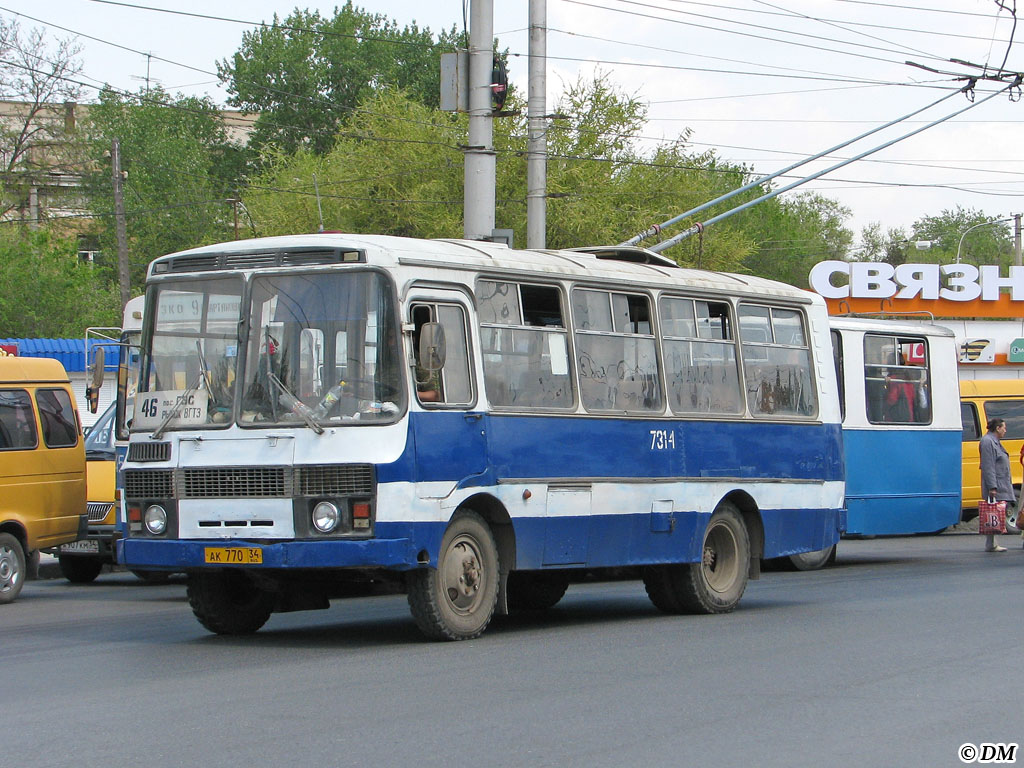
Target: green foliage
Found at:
396, 168
47, 292
307, 74
180, 174
990, 242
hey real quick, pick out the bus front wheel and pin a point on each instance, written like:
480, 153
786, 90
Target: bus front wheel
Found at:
12, 568
228, 602
456, 600
717, 582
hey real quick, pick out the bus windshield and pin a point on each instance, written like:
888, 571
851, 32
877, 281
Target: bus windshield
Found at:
190, 369
322, 348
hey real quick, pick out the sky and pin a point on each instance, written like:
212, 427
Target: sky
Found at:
761, 83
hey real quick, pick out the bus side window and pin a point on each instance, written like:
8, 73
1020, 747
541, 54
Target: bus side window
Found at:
452, 384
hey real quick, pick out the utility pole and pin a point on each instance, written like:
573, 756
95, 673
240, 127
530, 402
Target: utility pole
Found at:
123, 277
1016, 239
536, 154
478, 184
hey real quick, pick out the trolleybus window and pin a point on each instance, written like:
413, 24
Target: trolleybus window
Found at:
615, 351
776, 362
700, 357
524, 345
897, 380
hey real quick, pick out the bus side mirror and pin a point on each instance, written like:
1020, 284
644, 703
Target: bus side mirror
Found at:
92, 390
432, 347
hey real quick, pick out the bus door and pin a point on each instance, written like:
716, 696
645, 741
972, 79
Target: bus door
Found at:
447, 425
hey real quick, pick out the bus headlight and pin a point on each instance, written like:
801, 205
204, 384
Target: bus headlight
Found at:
155, 519
326, 516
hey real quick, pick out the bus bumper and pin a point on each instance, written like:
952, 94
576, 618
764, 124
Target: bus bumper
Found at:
185, 555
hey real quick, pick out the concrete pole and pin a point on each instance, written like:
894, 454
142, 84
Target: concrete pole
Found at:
478, 190
123, 274
1016, 239
536, 155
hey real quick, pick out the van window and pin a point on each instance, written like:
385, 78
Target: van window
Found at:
969, 418
60, 427
1012, 412
17, 423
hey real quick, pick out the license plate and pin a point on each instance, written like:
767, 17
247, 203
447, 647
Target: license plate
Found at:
234, 555
83, 547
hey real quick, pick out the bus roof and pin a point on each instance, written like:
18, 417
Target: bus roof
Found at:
32, 370
613, 263
884, 325
992, 388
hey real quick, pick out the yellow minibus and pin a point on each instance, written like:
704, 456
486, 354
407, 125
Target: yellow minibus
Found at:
42, 465
981, 400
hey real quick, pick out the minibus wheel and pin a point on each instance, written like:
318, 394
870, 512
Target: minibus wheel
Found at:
456, 600
717, 582
228, 602
12, 568
79, 570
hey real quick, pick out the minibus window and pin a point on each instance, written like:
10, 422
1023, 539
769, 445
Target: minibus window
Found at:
60, 428
17, 424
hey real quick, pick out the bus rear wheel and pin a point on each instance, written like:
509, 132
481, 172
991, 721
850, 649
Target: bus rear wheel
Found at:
456, 600
717, 582
79, 570
228, 602
812, 561
12, 568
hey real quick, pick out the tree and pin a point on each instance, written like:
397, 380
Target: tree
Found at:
396, 168
307, 74
990, 243
47, 291
178, 163
36, 138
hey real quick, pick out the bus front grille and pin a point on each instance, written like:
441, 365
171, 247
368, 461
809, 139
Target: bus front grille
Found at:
148, 484
336, 480
235, 483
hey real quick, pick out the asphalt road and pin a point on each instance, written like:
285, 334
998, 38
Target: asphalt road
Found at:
895, 656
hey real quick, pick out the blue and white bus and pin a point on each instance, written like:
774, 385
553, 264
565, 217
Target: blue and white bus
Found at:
475, 424
902, 435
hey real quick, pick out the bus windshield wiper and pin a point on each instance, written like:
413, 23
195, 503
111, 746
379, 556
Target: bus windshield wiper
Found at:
296, 406
176, 408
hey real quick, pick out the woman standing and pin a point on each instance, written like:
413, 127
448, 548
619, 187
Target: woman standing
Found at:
995, 473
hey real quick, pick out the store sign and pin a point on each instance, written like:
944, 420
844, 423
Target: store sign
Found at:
951, 282
1016, 354
977, 351
8, 350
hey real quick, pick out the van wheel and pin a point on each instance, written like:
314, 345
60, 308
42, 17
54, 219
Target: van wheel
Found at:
12, 568
456, 600
228, 602
717, 582
79, 570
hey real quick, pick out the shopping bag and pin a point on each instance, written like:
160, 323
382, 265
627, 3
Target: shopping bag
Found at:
991, 516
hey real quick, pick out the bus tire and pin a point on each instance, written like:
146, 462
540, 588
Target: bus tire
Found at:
812, 561
535, 591
714, 585
456, 600
78, 569
12, 568
228, 602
